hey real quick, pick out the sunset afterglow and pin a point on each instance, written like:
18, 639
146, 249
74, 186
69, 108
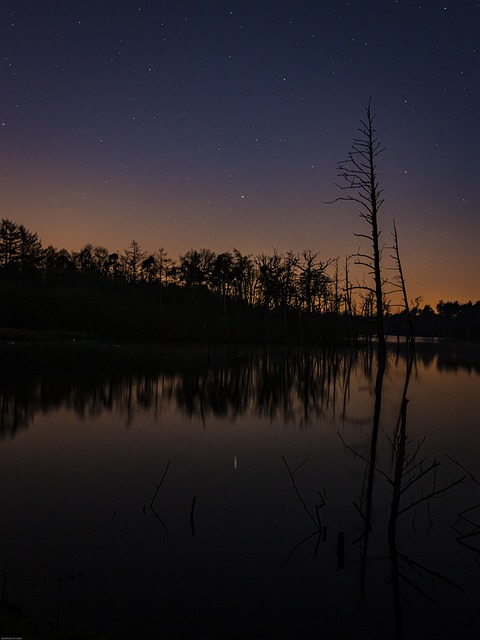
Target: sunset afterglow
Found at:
220, 125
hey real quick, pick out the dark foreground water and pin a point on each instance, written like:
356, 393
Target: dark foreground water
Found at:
151, 492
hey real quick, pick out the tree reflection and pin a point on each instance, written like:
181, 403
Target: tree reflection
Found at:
413, 483
294, 386
367, 515
408, 472
298, 386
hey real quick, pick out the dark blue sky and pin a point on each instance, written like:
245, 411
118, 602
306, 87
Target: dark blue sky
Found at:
220, 124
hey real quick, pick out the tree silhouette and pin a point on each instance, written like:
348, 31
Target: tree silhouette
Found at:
29, 250
271, 272
313, 280
221, 277
244, 279
359, 174
132, 259
195, 267
164, 266
84, 261
9, 243
148, 269
100, 257
399, 280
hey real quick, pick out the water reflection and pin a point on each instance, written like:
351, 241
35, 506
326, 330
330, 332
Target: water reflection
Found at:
298, 387
414, 484
277, 442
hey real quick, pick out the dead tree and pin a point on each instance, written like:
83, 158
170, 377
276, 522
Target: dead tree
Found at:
359, 174
400, 283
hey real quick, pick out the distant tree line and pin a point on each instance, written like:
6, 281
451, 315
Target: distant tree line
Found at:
451, 320
202, 295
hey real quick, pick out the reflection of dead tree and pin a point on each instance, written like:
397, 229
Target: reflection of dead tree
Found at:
392, 523
466, 539
414, 471
366, 514
408, 373
411, 471
320, 530
408, 470
373, 456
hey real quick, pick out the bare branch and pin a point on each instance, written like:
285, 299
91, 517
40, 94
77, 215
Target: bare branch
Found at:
290, 472
437, 493
155, 495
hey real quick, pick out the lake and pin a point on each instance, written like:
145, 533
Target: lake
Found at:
161, 491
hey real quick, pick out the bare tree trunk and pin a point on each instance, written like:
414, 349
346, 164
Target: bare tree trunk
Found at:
375, 204
401, 284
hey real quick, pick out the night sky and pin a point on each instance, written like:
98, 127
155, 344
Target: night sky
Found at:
189, 124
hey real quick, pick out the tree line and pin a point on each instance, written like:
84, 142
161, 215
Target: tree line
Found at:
220, 289
272, 297
299, 281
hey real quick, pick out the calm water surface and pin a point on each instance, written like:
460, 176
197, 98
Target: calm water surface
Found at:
153, 492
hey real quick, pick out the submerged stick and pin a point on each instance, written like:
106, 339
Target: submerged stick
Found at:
298, 545
290, 473
192, 524
155, 495
341, 550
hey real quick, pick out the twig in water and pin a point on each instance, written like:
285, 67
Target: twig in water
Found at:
433, 574
367, 460
290, 472
155, 495
320, 531
341, 550
434, 493
464, 468
475, 531
298, 545
192, 524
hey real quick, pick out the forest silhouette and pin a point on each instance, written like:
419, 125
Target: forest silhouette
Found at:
203, 296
